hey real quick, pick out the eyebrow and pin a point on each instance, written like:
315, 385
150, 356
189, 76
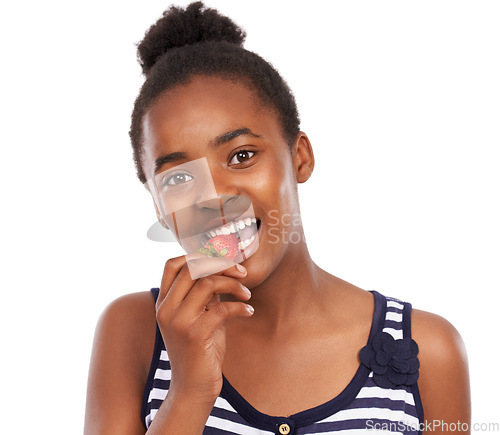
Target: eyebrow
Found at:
219, 140
230, 135
172, 157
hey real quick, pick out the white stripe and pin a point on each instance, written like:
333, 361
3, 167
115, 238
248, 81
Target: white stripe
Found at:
372, 413
394, 304
396, 333
220, 423
223, 404
164, 355
397, 317
158, 394
385, 393
150, 417
164, 375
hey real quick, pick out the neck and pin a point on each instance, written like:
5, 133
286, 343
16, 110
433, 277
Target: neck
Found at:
293, 293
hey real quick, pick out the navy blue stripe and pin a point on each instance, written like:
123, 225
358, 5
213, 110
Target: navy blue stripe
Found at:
228, 415
371, 383
382, 402
393, 324
161, 384
394, 310
215, 431
156, 403
162, 364
145, 408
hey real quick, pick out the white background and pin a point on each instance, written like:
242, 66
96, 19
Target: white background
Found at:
401, 101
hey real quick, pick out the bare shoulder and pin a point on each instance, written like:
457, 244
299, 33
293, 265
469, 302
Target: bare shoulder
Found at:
121, 353
129, 322
444, 374
128, 325
437, 337
131, 313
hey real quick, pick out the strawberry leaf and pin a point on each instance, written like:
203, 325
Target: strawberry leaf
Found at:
214, 251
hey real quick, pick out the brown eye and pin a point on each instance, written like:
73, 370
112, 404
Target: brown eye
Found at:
241, 157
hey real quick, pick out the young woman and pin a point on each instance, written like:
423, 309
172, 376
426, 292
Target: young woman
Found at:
272, 344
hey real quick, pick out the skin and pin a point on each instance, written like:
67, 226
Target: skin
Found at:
303, 316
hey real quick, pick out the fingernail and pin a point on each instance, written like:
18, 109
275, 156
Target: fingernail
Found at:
250, 309
247, 291
241, 268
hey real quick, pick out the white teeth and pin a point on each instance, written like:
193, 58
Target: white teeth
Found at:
245, 243
232, 227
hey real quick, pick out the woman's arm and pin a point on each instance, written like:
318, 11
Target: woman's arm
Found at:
123, 347
191, 319
444, 373
118, 372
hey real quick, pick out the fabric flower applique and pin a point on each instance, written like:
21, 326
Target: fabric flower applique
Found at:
393, 362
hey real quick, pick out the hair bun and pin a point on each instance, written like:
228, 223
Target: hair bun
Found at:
179, 27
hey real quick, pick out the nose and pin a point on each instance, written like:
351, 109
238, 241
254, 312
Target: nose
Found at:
225, 188
219, 203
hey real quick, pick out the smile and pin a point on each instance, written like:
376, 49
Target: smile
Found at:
231, 239
244, 230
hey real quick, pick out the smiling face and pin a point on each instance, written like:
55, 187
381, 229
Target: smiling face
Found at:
249, 161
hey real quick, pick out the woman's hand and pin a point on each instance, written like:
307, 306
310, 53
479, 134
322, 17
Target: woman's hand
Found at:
191, 317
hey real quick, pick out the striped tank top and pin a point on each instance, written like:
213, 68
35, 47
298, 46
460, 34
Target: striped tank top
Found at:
382, 396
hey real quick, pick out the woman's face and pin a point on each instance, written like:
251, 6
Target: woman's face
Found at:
248, 158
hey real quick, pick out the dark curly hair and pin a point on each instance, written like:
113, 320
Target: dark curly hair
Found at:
199, 41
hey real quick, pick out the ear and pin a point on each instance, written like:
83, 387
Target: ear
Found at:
302, 157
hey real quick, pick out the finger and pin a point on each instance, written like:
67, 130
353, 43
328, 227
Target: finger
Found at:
213, 319
200, 267
202, 293
236, 271
172, 268
183, 281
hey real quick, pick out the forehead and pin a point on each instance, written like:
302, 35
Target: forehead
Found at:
186, 118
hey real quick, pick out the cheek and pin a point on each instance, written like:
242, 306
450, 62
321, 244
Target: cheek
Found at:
271, 186
287, 184
277, 176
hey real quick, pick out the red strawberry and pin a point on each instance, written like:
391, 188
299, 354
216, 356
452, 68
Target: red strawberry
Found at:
221, 246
